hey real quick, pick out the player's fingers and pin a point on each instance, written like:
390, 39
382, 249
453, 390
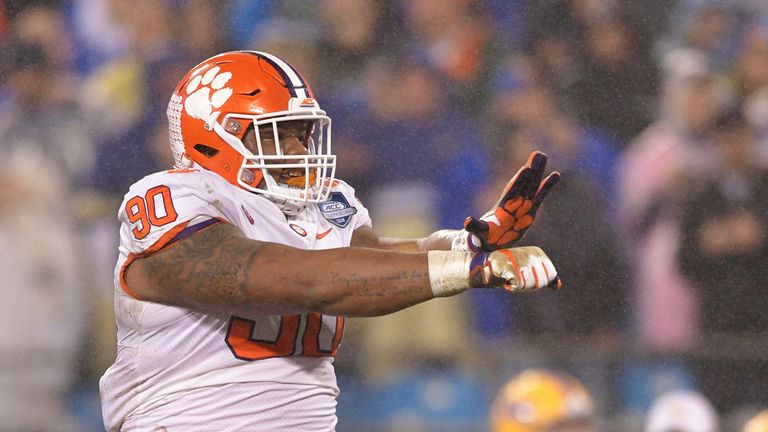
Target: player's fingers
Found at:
544, 187
541, 276
476, 226
511, 205
520, 185
511, 182
523, 223
524, 209
556, 284
542, 271
507, 237
550, 272
538, 163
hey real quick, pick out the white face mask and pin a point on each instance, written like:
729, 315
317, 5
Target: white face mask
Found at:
319, 165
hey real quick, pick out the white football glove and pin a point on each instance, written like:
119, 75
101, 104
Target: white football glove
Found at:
520, 269
515, 269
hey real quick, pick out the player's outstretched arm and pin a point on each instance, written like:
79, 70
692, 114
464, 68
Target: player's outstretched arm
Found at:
439, 240
221, 271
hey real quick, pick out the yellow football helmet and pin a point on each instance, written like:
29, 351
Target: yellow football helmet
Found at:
537, 400
758, 424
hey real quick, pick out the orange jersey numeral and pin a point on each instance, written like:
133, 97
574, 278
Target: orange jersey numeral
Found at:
155, 208
242, 344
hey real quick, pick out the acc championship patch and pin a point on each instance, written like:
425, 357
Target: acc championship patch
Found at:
337, 210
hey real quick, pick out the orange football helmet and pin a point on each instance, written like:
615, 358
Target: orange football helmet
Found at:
217, 102
538, 400
759, 423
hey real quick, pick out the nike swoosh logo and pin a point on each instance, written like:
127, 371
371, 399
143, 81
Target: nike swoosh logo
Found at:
321, 235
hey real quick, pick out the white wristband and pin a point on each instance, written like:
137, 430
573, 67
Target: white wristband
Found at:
448, 272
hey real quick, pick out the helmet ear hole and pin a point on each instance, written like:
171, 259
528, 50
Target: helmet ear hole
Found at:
206, 151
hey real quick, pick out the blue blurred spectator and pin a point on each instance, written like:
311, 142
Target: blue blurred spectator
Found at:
405, 133
295, 41
244, 18
39, 114
510, 19
126, 97
455, 37
98, 34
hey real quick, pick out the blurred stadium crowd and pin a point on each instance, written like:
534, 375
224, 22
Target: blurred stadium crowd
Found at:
655, 112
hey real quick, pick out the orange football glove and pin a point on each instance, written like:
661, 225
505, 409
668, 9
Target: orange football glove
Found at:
504, 225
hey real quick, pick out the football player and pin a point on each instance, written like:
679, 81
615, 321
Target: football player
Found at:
759, 423
237, 267
682, 411
543, 401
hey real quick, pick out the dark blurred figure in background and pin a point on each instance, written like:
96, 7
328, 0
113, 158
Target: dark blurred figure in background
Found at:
40, 113
527, 116
724, 251
654, 174
617, 88
209, 35
750, 70
596, 56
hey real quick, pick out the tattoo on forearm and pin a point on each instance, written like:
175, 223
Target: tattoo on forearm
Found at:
211, 267
371, 286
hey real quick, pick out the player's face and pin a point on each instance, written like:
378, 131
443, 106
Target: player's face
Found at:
292, 136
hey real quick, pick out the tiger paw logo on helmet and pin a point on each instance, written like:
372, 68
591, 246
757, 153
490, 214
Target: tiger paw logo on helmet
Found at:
200, 102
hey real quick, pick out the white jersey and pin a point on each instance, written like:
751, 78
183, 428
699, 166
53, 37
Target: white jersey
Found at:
178, 369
